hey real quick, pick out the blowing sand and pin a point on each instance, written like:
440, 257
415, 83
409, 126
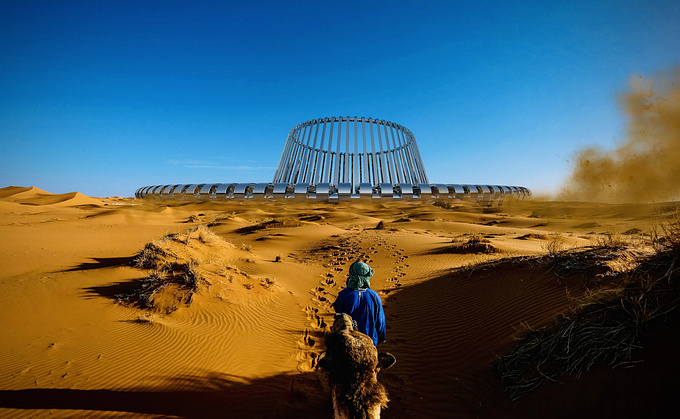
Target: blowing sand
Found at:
238, 327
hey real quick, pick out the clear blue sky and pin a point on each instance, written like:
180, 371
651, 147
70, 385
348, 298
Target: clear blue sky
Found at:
103, 97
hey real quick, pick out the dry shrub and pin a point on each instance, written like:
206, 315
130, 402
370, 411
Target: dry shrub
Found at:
442, 204
172, 280
604, 329
592, 262
267, 284
168, 287
554, 245
666, 234
476, 244
275, 223
151, 255
611, 239
206, 236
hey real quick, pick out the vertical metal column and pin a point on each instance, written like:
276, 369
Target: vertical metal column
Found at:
374, 162
366, 177
388, 153
320, 156
327, 175
307, 155
289, 159
395, 151
345, 166
295, 153
409, 159
300, 156
383, 164
336, 169
402, 157
311, 168
355, 158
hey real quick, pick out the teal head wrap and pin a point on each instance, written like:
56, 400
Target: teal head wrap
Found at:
359, 276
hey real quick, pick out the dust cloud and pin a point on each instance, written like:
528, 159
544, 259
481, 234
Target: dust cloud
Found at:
646, 166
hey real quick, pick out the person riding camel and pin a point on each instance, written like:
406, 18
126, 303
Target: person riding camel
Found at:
362, 303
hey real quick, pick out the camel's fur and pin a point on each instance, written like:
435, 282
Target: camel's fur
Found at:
353, 363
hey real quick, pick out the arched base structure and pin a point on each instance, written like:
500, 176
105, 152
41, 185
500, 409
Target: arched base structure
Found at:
330, 192
342, 159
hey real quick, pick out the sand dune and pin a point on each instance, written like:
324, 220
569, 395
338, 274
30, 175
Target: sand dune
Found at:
36, 196
246, 342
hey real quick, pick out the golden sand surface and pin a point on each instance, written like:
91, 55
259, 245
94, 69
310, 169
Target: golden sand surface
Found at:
247, 343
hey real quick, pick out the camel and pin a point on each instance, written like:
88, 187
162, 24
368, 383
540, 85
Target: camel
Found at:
353, 363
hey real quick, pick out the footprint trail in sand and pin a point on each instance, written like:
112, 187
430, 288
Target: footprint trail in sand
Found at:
336, 255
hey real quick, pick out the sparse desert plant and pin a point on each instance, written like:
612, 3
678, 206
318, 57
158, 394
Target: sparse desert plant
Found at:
269, 224
158, 275
151, 255
442, 204
475, 244
666, 233
611, 239
176, 270
458, 240
605, 328
205, 235
193, 277
554, 245
267, 284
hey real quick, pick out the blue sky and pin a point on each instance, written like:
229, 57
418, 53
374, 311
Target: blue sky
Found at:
103, 97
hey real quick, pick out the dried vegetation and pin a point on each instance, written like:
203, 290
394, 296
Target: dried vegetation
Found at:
269, 224
612, 319
178, 267
475, 244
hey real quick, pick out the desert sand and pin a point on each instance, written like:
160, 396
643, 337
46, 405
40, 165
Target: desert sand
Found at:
78, 340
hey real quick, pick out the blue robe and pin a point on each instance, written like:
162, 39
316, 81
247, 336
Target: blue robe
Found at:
365, 307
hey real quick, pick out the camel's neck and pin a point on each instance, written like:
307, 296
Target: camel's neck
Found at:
342, 412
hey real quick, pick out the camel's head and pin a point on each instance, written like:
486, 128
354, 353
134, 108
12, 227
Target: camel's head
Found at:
343, 323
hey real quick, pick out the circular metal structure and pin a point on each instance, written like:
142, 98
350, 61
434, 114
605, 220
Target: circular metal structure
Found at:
342, 158
350, 150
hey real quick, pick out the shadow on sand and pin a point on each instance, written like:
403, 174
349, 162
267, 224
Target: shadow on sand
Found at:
217, 396
101, 263
111, 291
